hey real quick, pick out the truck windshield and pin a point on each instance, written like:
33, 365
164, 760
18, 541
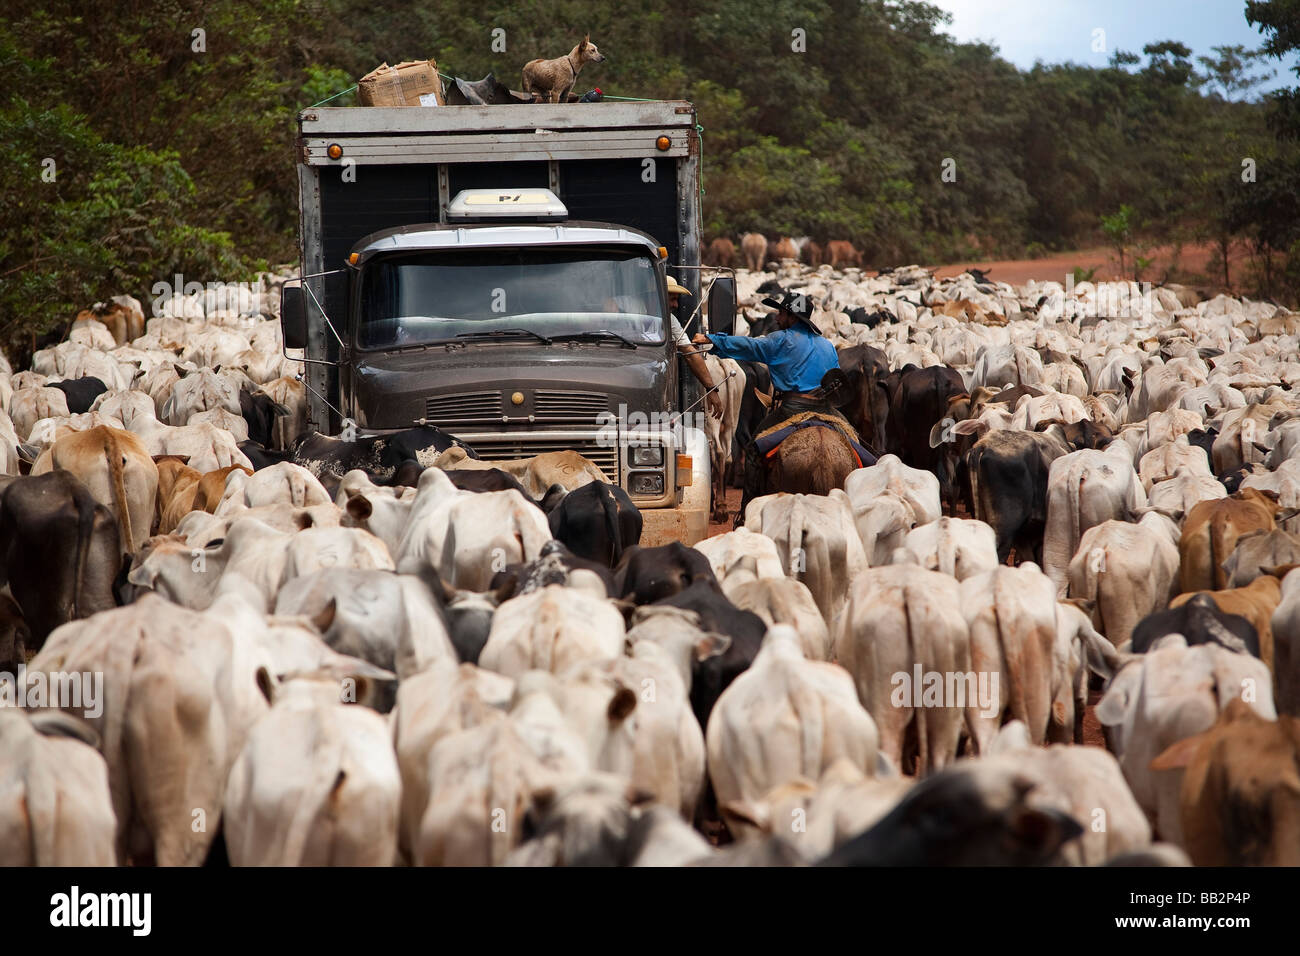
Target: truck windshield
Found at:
437, 296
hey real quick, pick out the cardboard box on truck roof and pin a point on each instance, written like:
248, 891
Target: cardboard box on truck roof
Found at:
413, 83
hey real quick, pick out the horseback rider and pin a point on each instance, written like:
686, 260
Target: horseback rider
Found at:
798, 356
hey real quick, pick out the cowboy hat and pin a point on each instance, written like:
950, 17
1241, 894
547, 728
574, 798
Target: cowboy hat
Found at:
674, 286
798, 304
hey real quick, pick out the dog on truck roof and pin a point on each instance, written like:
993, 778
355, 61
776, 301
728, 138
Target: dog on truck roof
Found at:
553, 79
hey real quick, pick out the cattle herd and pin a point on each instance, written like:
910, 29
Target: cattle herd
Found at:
227, 640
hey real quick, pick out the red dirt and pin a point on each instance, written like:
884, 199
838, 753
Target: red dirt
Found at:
1192, 260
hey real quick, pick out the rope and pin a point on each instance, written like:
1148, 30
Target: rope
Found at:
334, 97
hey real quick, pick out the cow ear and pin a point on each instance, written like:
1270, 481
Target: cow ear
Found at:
711, 645
266, 684
324, 618
1177, 755
1111, 708
742, 811
621, 705
1278, 571
1044, 830
181, 370
638, 796
506, 589
359, 507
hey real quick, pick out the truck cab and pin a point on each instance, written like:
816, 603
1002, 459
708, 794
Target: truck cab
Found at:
507, 321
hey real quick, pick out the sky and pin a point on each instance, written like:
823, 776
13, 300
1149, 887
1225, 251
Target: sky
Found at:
1057, 31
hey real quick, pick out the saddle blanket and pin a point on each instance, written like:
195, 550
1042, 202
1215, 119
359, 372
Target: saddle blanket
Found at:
768, 442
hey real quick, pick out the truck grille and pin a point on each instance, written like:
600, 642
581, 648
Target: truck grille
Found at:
463, 408
603, 457
577, 407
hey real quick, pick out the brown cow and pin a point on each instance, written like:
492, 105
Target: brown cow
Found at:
754, 247
1211, 531
841, 254
116, 467
1240, 799
212, 487
177, 486
813, 254
721, 252
1256, 603
783, 248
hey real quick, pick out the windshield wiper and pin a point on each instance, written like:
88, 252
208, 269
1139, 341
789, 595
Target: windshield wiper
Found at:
504, 333
597, 334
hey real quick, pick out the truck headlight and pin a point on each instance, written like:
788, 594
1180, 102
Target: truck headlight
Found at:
646, 483
643, 455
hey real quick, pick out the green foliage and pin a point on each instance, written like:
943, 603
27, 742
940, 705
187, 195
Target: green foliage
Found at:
171, 156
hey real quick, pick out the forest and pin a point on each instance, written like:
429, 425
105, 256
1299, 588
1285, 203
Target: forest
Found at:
151, 137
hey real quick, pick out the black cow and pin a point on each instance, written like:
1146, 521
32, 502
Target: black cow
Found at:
867, 409
1232, 479
61, 551
752, 411
648, 575
1203, 438
712, 675
81, 392
1201, 622
15, 636
598, 522
553, 565
1008, 472
861, 316
378, 455
970, 814
261, 456
260, 412
919, 403
482, 480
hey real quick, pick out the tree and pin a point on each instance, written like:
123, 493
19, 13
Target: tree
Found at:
1228, 70
1118, 228
1279, 21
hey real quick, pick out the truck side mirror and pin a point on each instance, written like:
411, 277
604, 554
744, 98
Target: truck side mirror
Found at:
722, 305
293, 315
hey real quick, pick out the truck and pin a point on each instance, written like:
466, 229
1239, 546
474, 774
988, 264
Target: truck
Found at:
500, 272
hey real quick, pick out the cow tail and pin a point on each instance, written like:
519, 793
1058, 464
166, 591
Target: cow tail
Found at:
1215, 570
85, 531
812, 729
610, 507
915, 636
40, 801
327, 780
1013, 657
114, 455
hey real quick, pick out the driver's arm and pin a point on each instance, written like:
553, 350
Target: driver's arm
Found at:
742, 347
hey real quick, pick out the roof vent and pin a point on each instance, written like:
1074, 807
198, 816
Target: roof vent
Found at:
530, 202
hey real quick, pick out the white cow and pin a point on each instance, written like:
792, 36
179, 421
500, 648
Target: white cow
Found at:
1085, 488
55, 804
315, 785
785, 717
816, 540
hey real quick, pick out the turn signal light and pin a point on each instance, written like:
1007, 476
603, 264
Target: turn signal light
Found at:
662, 143
334, 151
352, 259
685, 470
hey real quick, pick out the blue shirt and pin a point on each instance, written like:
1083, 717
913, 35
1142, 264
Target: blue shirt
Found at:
797, 356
